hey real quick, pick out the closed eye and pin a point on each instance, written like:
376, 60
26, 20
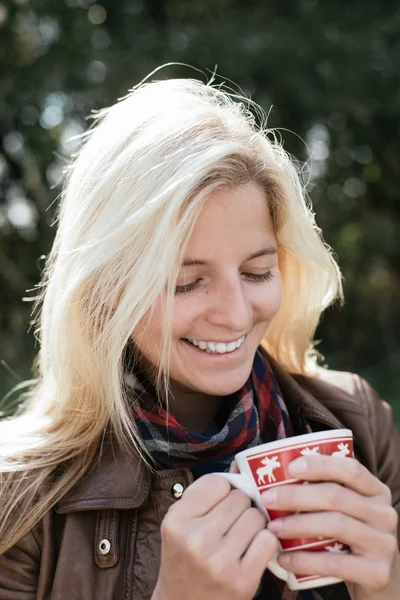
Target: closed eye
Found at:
181, 289
261, 277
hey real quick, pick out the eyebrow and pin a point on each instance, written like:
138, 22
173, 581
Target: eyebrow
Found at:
264, 252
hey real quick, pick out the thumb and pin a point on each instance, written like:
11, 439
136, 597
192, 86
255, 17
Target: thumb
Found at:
234, 467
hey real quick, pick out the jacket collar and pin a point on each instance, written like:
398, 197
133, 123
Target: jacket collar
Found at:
117, 479
303, 402
121, 480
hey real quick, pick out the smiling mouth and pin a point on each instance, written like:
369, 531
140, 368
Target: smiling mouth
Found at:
216, 348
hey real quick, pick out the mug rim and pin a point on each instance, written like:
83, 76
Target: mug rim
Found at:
294, 441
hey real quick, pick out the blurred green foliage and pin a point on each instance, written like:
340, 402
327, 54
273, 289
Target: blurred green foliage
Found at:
329, 76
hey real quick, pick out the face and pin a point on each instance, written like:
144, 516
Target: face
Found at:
227, 294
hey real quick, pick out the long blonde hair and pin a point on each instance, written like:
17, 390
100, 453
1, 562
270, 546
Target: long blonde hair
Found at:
128, 207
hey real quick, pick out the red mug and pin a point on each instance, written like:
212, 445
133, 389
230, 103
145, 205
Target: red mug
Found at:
266, 466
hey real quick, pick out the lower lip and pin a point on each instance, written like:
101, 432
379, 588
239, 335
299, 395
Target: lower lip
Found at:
217, 355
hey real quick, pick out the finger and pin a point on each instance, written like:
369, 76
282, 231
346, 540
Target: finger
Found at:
234, 467
331, 497
362, 538
347, 471
227, 512
241, 534
366, 572
262, 549
202, 495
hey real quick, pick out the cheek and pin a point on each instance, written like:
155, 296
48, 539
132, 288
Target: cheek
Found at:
148, 334
268, 301
185, 313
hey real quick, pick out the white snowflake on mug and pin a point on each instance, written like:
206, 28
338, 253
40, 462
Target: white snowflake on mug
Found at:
310, 451
337, 547
343, 450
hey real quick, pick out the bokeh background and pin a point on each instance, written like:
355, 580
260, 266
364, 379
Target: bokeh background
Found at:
328, 74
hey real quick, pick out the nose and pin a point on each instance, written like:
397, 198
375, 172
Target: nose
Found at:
229, 307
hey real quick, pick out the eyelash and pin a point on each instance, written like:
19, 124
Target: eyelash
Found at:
181, 289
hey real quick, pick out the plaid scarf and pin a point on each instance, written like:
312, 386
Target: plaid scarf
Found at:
256, 407
257, 414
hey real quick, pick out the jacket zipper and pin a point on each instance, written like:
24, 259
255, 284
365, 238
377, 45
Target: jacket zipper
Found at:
307, 426
304, 425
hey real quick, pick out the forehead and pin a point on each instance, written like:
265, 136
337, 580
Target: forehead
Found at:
234, 219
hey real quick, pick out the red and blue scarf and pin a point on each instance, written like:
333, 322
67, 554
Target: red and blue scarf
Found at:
255, 409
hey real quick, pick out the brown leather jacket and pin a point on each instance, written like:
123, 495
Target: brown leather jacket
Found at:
102, 541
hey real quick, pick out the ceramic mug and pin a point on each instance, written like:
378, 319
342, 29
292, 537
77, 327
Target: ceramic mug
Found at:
266, 466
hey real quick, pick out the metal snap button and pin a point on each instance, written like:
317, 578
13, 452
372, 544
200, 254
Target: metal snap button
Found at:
177, 490
104, 547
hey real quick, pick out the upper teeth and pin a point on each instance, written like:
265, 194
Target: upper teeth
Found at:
218, 347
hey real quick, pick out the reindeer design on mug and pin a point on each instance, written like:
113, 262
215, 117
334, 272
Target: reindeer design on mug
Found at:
343, 450
310, 451
270, 464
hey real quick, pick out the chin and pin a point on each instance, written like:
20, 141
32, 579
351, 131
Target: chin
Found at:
222, 386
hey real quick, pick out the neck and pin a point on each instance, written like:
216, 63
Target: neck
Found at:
194, 410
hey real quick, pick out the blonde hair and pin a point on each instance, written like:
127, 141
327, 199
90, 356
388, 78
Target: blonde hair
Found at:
128, 207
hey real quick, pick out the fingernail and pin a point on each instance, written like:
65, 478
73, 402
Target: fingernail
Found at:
298, 466
269, 497
275, 526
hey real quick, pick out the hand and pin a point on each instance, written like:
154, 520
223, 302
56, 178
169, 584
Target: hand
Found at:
351, 505
214, 545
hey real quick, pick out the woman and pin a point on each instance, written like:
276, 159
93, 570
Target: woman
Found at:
178, 308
